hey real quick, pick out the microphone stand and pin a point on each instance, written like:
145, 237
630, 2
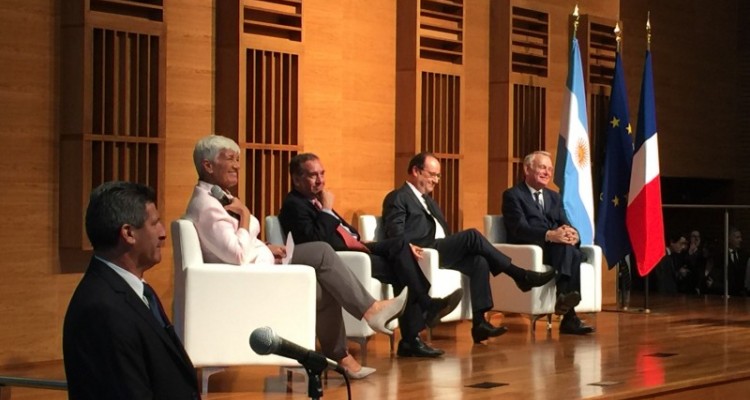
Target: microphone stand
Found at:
314, 367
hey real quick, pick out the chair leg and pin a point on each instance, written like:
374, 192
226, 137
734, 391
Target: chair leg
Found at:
537, 317
362, 342
392, 341
549, 322
206, 372
289, 372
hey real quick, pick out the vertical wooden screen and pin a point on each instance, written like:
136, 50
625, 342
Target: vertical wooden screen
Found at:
125, 138
257, 93
519, 83
112, 113
440, 134
429, 69
529, 41
529, 124
271, 128
441, 30
598, 47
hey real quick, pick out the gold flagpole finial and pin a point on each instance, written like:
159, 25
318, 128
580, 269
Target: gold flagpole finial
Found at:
648, 31
618, 35
575, 23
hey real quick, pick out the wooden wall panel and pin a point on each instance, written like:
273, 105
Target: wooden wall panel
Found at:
28, 172
348, 99
689, 55
476, 113
189, 113
348, 106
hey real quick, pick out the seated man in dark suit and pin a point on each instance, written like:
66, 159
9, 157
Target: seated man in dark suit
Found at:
307, 212
117, 341
534, 215
409, 212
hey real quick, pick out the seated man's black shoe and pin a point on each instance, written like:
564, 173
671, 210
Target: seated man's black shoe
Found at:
485, 330
417, 348
441, 307
532, 279
572, 325
566, 301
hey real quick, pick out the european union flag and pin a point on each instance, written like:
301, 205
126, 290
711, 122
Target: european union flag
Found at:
611, 230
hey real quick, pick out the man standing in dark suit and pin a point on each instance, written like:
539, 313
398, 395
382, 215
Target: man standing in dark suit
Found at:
117, 341
307, 212
534, 215
411, 213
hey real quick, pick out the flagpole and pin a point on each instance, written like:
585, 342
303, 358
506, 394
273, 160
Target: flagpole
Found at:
648, 31
648, 49
624, 297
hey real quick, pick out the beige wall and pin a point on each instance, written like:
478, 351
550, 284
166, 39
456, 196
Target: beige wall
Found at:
347, 116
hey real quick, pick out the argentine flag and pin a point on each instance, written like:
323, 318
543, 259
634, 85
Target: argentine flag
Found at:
573, 166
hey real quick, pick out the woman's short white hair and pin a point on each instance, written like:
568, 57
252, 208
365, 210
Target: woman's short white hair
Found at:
209, 147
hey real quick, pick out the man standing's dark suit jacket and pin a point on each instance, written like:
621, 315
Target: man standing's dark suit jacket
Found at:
526, 224
114, 348
392, 260
467, 251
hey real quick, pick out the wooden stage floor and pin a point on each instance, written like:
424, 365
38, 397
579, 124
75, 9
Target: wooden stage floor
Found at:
686, 348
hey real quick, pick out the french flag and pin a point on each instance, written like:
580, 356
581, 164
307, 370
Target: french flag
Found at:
644, 217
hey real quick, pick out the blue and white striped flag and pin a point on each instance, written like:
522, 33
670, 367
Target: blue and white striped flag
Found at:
573, 165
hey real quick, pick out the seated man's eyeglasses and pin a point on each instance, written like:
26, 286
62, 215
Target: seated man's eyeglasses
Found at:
432, 174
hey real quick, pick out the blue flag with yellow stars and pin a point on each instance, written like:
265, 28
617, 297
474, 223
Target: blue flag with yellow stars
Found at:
611, 232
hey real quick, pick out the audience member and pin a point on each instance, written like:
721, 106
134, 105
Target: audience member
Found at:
695, 260
671, 272
737, 263
411, 213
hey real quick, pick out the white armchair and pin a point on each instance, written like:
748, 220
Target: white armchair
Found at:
217, 306
356, 330
443, 281
540, 301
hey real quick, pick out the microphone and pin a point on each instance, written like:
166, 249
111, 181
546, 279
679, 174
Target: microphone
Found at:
219, 194
264, 341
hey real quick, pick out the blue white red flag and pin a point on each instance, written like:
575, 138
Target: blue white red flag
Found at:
644, 216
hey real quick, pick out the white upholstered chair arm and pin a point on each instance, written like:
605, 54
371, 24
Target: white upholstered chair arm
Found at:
225, 303
593, 254
524, 255
430, 263
591, 280
360, 265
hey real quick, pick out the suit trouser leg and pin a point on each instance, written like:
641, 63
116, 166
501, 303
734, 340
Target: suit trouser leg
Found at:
566, 260
470, 243
478, 271
336, 287
394, 263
